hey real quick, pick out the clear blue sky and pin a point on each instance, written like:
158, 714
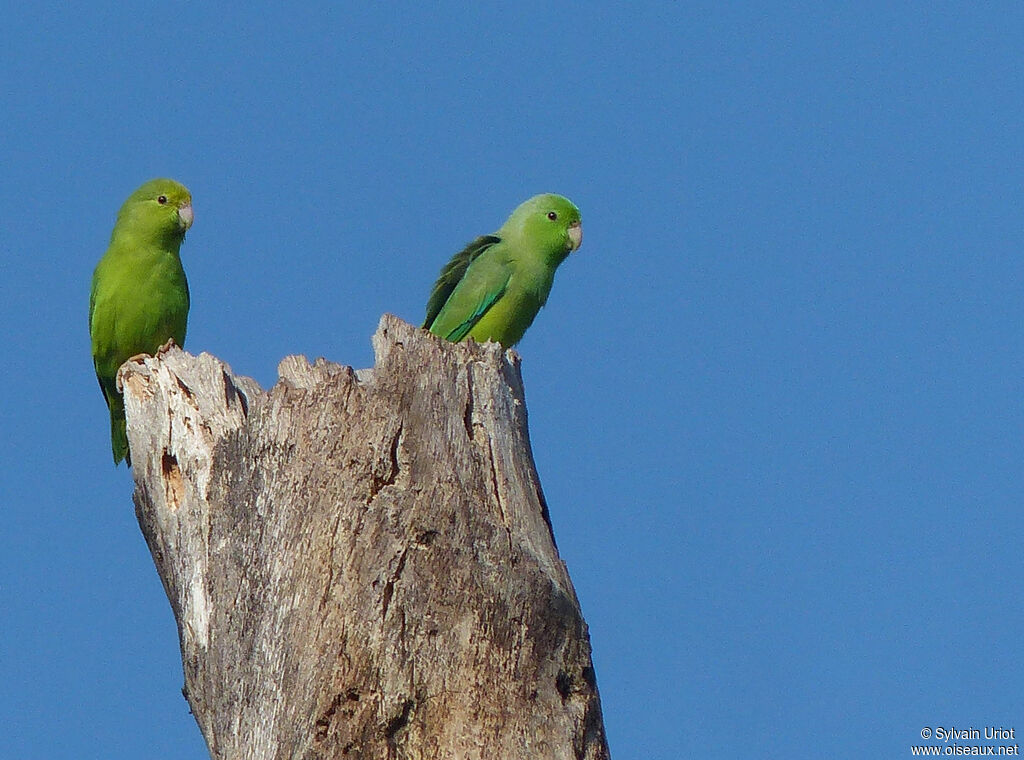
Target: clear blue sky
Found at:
776, 400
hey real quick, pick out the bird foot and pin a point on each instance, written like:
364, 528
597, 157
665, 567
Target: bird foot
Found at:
166, 347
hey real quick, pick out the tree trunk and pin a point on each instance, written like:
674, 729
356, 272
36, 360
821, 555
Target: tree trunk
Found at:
361, 564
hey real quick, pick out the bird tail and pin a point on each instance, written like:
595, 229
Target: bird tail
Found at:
119, 437
118, 426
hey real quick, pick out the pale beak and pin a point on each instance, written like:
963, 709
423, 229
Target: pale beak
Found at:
185, 215
575, 235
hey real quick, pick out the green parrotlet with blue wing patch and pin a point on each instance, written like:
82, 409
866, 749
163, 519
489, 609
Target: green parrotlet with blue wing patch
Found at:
493, 288
139, 298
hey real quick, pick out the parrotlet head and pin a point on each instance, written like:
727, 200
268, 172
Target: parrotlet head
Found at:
161, 208
550, 222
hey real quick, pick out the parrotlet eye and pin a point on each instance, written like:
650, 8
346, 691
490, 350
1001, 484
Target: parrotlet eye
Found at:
162, 200
552, 215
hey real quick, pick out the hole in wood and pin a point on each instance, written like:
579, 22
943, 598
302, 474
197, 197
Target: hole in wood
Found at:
174, 486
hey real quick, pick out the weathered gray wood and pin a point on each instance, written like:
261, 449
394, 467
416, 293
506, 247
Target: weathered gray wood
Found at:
360, 564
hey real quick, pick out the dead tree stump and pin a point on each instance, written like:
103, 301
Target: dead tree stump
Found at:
360, 563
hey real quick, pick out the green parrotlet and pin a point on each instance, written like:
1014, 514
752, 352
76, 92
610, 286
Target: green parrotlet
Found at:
139, 298
494, 287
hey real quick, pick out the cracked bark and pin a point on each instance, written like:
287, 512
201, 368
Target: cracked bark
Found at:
361, 564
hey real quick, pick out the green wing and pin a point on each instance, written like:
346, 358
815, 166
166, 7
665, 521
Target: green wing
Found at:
483, 285
108, 386
462, 330
452, 275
